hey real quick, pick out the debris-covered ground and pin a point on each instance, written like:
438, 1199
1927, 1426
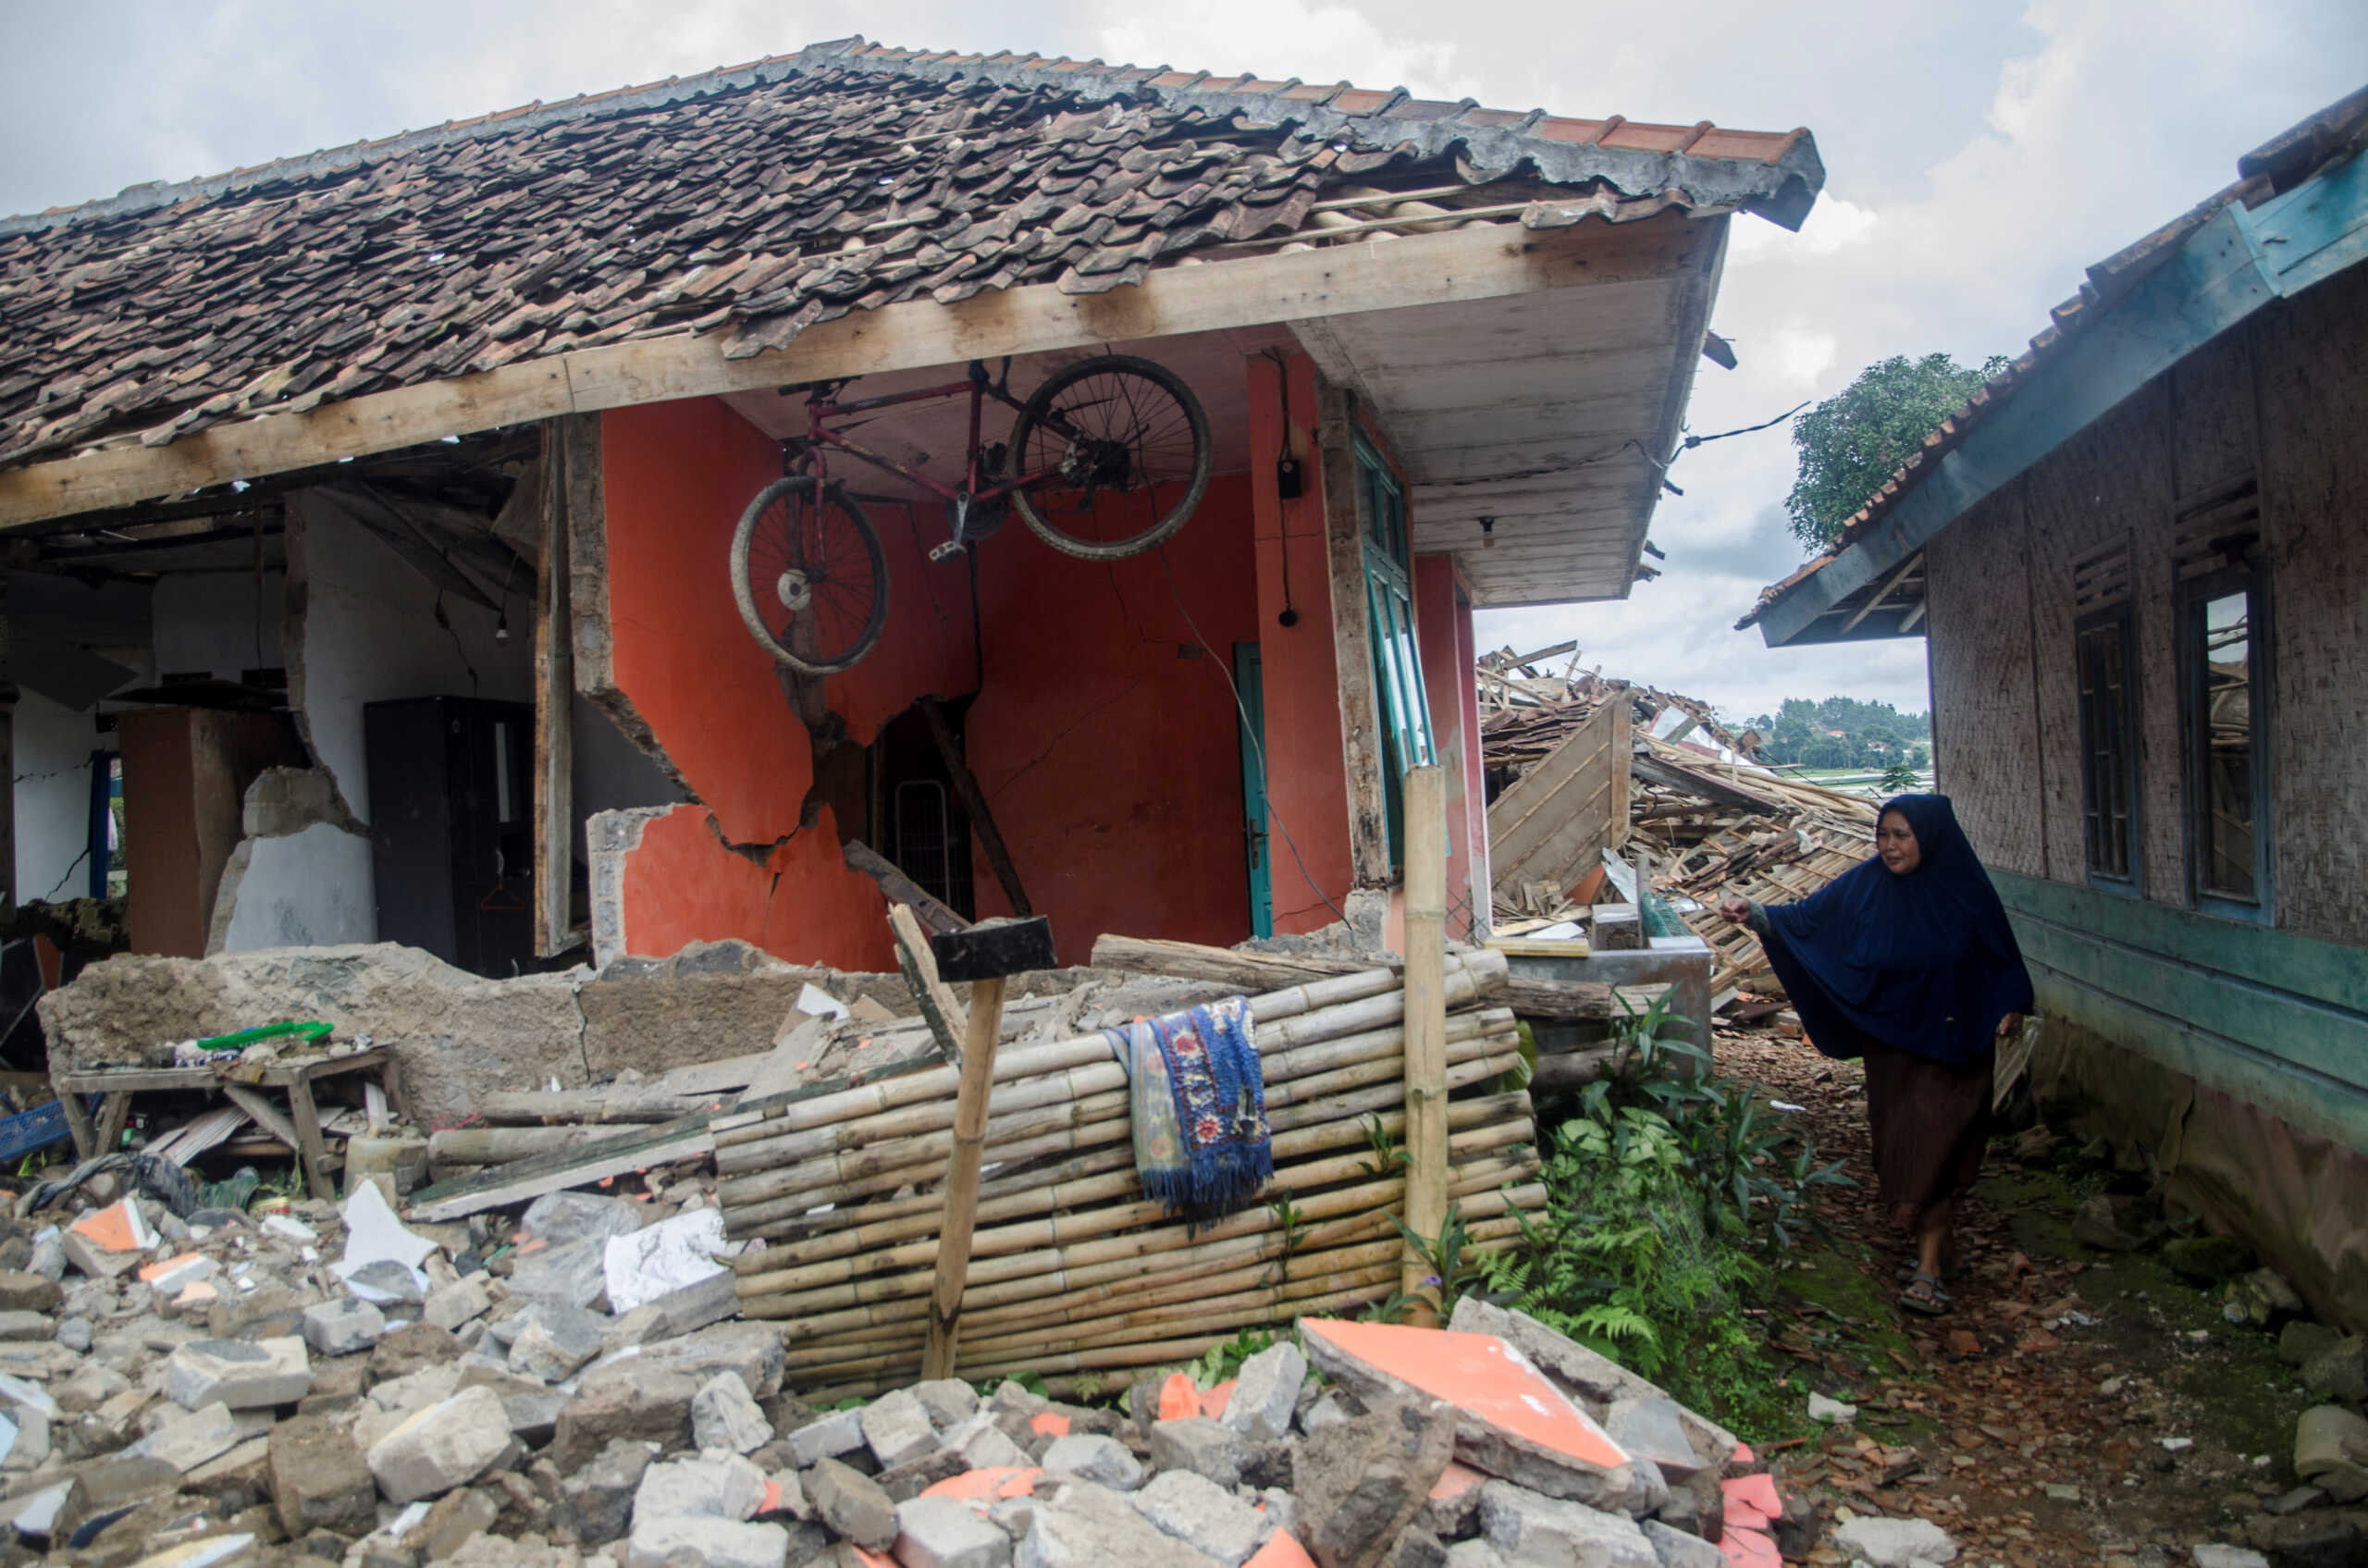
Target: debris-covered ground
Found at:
2082, 1403
323, 1384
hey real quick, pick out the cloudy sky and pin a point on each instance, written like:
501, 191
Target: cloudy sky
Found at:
1978, 152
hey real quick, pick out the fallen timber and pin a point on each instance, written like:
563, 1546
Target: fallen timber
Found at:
1071, 1269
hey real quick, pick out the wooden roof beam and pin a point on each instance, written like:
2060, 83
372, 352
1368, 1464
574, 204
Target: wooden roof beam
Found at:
1466, 264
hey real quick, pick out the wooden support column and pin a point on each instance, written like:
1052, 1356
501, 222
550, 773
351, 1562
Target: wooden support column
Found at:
1425, 802
962, 1181
554, 704
1352, 639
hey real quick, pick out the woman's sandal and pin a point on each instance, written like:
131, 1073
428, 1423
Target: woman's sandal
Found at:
1925, 1294
1951, 1269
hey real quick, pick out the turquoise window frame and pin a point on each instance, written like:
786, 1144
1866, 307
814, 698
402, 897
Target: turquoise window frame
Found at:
1405, 711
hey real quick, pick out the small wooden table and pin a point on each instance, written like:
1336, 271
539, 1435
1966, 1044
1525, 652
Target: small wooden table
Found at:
300, 1129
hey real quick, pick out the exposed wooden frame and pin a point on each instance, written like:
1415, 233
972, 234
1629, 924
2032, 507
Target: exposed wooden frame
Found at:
1466, 264
1875, 599
554, 705
1344, 545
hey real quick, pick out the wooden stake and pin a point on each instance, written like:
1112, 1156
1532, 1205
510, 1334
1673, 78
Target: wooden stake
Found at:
935, 999
962, 1182
1425, 803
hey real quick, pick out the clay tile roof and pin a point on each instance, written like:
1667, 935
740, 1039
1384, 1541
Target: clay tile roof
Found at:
2335, 132
751, 202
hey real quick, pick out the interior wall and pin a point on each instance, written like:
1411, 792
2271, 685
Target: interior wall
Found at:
1307, 784
217, 621
367, 630
736, 862
609, 773
53, 747
1105, 737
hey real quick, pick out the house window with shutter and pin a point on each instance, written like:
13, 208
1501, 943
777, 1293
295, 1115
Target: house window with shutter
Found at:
2104, 656
2222, 603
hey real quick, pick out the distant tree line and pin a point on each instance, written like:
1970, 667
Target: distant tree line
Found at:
1842, 732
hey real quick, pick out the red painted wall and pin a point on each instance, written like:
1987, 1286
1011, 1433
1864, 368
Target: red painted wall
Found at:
1443, 633
1306, 780
677, 475
1105, 736
1110, 758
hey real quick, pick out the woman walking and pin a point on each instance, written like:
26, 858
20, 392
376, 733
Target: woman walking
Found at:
1907, 961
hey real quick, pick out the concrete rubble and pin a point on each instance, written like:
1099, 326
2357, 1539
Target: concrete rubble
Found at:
313, 1409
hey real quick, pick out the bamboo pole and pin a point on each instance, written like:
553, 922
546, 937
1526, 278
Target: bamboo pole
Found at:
1425, 1025
962, 1181
888, 1156
1046, 1249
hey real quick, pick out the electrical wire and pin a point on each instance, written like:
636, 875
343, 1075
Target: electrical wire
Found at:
1257, 741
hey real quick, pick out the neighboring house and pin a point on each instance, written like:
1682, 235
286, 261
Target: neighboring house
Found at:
2140, 562
472, 412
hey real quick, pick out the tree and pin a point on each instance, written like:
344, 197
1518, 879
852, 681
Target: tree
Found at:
1852, 442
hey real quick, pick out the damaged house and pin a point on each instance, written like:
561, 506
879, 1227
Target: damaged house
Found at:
372, 513
2135, 560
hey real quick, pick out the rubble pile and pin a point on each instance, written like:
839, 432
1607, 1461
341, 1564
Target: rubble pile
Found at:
328, 1385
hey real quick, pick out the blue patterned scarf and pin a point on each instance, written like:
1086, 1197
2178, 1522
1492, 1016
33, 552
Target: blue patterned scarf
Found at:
1199, 1106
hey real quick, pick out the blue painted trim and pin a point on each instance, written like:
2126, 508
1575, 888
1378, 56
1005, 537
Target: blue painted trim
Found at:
2238, 262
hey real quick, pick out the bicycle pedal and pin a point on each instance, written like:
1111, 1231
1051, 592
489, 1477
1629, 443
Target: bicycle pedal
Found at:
949, 548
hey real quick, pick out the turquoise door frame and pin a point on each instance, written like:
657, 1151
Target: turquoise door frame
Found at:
1249, 682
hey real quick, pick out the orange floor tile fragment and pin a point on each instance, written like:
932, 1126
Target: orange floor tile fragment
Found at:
1281, 1551
1456, 1480
1756, 1492
1180, 1398
1479, 1374
1049, 1424
119, 1227
1213, 1401
1749, 1549
987, 1485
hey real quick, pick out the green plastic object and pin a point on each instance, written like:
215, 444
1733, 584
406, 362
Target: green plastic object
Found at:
310, 1030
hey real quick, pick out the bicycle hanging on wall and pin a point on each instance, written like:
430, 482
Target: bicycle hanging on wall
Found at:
1106, 460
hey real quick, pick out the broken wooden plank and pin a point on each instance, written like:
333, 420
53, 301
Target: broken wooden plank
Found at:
899, 888
974, 804
939, 1007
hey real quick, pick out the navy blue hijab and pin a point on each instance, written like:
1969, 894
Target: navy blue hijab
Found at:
1924, 962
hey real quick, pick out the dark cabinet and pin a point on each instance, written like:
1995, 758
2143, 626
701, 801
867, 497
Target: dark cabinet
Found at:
451, 828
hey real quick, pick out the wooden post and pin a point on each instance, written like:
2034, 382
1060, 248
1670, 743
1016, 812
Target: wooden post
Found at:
962, 1180
1425, 799
1344, 542
554, 706
974, 803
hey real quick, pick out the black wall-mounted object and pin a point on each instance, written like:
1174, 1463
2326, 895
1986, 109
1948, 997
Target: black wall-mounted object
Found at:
451, 828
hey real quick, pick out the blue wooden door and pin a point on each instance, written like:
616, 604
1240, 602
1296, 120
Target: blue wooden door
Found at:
1249, 679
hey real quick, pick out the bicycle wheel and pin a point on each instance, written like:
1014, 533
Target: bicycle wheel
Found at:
810, 576
1129, 445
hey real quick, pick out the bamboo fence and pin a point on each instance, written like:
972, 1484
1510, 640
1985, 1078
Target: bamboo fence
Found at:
1072, 1270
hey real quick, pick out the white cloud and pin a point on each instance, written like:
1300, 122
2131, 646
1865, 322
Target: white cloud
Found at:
1279, 39
1834, 224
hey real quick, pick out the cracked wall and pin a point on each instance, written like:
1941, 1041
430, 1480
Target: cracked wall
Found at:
1103, 732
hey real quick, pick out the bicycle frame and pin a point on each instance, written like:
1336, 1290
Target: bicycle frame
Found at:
821, 406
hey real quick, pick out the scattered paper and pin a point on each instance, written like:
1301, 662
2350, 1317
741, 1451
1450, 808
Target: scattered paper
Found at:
659, 1259
816, 1003
373, 1234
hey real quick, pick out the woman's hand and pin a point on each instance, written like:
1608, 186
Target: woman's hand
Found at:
2011, 1024
1736, 910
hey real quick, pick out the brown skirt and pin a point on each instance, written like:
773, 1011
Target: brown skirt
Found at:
1930, 1122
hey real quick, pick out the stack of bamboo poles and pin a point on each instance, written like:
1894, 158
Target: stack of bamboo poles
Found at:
1072, 1270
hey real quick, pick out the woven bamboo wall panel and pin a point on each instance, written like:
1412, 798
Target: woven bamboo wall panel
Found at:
1976, 570
2310, 369
2105, 486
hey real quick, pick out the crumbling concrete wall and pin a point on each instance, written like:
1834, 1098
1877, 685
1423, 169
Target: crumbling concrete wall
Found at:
456, 1035
301, 875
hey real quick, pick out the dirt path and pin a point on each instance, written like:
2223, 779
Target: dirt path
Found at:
2075, 1407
